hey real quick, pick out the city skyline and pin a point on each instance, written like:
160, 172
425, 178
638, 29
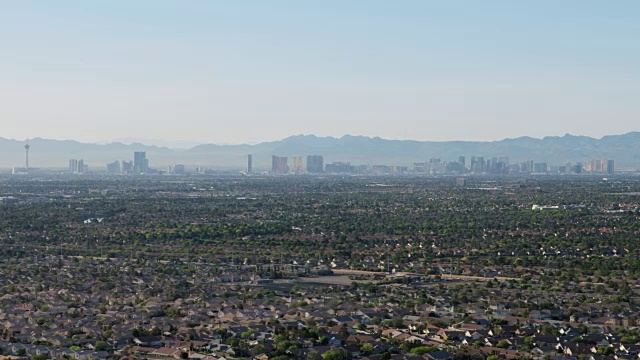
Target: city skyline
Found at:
358, 150
229, 73
478, 165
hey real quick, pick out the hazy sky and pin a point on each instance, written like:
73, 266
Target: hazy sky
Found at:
232, 71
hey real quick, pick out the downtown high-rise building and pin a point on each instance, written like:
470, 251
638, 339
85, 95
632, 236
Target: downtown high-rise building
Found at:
609, 166
114, 168
594, 166
82, 168
462, 160
127, 167
540, 168
600, 166
315, 164
73, 166
279, 164
297, 164
77, 166
477, 164
340, 168
178, 169
249, 164
140, 162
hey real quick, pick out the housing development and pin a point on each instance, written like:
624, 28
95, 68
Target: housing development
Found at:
262, 267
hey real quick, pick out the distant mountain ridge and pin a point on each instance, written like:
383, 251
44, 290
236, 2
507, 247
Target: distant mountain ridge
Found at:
555, 150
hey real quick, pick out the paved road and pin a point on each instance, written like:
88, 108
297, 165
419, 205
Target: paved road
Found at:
444, 276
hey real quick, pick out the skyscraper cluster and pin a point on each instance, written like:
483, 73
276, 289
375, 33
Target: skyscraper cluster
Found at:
315, 165
279, 164
600, 166
78, 166
139, 165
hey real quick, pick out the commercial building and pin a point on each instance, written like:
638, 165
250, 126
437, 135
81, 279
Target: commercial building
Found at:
610, 167
297, 164
462, 160
73, 166
249, 164
77, 166
114, 168
540, 168
477, 164
140, 162
603, 166
279, 164
340, 168
178, 169
315, 164
127, 167
82, 168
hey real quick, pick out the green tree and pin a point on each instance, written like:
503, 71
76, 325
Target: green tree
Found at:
366, 348
314, 355
605, 350
337, 354
421, 350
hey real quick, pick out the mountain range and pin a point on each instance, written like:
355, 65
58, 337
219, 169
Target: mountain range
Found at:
555, 150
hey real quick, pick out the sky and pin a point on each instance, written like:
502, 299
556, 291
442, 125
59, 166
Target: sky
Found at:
248, 71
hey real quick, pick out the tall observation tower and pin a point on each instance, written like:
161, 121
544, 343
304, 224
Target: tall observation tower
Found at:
26, 149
